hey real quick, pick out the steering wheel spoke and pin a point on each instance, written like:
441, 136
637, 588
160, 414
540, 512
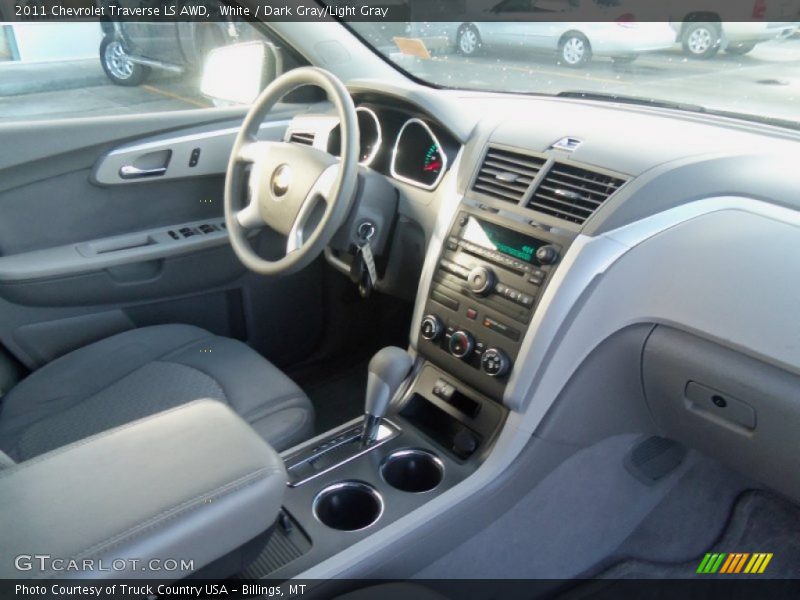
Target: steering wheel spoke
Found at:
250, 216
254, 151
313, 208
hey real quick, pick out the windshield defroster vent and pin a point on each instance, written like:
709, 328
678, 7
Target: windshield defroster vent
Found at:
573, 193
301, 137
507, 175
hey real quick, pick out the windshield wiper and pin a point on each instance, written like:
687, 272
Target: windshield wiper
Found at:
671, 105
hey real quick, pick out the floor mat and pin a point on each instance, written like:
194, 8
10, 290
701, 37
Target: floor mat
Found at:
761, 522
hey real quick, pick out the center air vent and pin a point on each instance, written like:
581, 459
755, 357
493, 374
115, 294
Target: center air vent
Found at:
573, 193
300, 137
507, 175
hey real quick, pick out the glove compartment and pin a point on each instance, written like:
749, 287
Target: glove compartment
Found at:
739, 410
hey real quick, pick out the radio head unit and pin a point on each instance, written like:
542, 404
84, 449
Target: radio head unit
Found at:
488, 281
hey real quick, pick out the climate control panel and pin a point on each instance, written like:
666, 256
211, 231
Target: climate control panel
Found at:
463, 345
489, 279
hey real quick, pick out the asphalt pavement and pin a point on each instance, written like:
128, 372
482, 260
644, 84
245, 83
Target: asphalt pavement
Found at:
80, 88
766, 82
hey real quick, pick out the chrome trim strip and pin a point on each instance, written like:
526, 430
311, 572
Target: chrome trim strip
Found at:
448, 208
387, 431
379, 143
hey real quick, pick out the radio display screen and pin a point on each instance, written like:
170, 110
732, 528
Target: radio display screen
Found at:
506, 241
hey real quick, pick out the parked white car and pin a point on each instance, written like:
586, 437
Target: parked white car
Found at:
704, 39
705, 27
613, 33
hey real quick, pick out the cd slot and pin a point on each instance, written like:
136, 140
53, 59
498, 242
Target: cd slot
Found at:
515, 267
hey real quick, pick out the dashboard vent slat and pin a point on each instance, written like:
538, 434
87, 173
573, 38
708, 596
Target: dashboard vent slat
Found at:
507, 175
573, 193
301, 137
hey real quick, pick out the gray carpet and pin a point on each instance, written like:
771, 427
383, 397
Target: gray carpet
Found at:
591, 513
576, 517
761, 522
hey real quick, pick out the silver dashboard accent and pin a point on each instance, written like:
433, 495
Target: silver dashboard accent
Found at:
528, 393
379, 142
350, 439
450, 200
586, 260
419, 184
568, 144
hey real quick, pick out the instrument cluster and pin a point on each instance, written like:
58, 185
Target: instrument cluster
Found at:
406, 147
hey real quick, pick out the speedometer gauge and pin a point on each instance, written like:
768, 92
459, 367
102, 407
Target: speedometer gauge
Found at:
418, 157
433, 159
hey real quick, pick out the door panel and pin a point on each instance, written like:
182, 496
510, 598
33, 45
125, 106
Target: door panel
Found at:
180, 156
85, 254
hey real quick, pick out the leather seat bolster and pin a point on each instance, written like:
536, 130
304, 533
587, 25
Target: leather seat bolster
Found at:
189, 484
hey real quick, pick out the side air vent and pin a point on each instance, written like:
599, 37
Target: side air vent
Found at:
300, 137
507, 175
573, 193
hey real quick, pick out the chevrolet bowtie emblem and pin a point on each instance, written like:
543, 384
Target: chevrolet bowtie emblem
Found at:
281, 179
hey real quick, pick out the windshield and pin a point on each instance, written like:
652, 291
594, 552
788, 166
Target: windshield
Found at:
748, 68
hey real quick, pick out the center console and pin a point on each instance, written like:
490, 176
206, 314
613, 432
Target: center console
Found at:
444, 416
340, 491
487, 284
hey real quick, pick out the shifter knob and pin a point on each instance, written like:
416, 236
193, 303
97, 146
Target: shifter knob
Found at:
387, 370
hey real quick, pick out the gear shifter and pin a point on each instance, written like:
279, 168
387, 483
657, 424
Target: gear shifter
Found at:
387, 370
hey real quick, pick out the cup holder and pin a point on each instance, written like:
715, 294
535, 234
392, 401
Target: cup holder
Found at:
412, 470
348, 506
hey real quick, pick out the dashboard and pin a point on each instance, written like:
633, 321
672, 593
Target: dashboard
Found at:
490, 180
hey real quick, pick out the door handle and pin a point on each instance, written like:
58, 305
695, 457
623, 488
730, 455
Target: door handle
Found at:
131, 172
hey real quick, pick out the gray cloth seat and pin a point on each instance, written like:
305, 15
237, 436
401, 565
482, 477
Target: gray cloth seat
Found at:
144, 371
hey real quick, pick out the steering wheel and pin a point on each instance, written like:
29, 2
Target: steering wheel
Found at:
298, 191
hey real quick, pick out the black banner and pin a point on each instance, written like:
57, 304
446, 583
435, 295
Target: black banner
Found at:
701, 588
400, 10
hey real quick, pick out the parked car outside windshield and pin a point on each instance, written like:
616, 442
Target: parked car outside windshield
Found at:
746, 68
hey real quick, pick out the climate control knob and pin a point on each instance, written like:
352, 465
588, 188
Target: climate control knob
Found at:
481, 281
547, 255
461, 344
495, 362
431, 328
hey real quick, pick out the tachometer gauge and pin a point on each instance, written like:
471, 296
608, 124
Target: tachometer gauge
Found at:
370, 136
418, 157
370, 133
